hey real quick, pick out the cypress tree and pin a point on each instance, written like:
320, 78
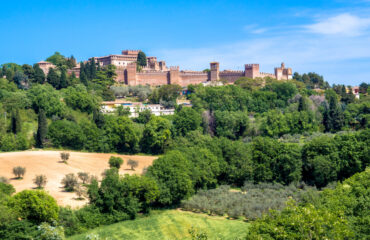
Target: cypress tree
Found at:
83, 78
98, 118
9, 75
302, 105
93, 69
53, 78
41, 129
16, 125
333, 118
39, 75
87, 71
63, 79
3, 71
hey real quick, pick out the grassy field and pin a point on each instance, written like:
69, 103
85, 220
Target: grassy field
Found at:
170, 224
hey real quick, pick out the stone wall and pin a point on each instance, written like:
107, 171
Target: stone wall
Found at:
231, 76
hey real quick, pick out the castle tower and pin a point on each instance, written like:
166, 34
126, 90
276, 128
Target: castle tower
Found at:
130, 75
174, 75
252, 70
215, 71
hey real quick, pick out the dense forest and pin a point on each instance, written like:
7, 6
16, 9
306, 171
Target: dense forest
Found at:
276, 140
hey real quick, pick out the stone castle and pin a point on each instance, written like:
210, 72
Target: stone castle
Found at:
156, 73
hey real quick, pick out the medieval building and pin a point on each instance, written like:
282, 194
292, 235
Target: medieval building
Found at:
156, 73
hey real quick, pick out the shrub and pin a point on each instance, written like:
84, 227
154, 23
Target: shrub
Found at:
15, 229
48, 232
6, 189
70, 182
115, 162
300, 222
40, 181
4, 180
35, 205
80, 191
84, 176
132, 163
19, 172
64, 156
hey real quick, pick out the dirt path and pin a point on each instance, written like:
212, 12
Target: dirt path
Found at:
49, 164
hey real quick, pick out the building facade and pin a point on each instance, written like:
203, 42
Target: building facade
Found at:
136, 107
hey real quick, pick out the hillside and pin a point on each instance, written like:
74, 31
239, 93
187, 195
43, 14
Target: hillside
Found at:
49, 164
170, 224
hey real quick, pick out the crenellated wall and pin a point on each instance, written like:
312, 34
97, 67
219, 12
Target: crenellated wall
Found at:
231, 76
156, 73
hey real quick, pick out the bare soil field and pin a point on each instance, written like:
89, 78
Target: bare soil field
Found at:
49, 164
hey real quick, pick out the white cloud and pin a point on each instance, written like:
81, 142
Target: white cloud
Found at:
337, 58
254, 29
343, 24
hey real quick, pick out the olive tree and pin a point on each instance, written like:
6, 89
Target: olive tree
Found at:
133, 164
84, 176
19, 172
64, 156
70, 182
40, 181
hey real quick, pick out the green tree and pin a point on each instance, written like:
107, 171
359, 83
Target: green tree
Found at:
173, 176
21, 80
232, 125
187, 119
300, 222
92, 69
83, 77
57, 59
78, 97
47, 98
16, 123
333, 119
205, 167
320, 161
124, 135
63, 79
53, 78
35, 205
166, 95
156, 135
115, 162
144, 116
29, 72
127, 194
106, 77
39, 76
42, 129
141, 59
351, 199
64, 133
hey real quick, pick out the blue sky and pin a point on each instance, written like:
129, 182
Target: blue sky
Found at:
329, 37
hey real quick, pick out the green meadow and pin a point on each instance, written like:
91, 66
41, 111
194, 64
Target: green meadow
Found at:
170, 224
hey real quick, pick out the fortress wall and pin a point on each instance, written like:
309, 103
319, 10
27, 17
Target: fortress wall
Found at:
152, 78
262, 75
187, 78
231, 76
120, 75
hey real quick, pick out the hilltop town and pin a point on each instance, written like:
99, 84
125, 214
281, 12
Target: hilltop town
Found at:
156, 73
